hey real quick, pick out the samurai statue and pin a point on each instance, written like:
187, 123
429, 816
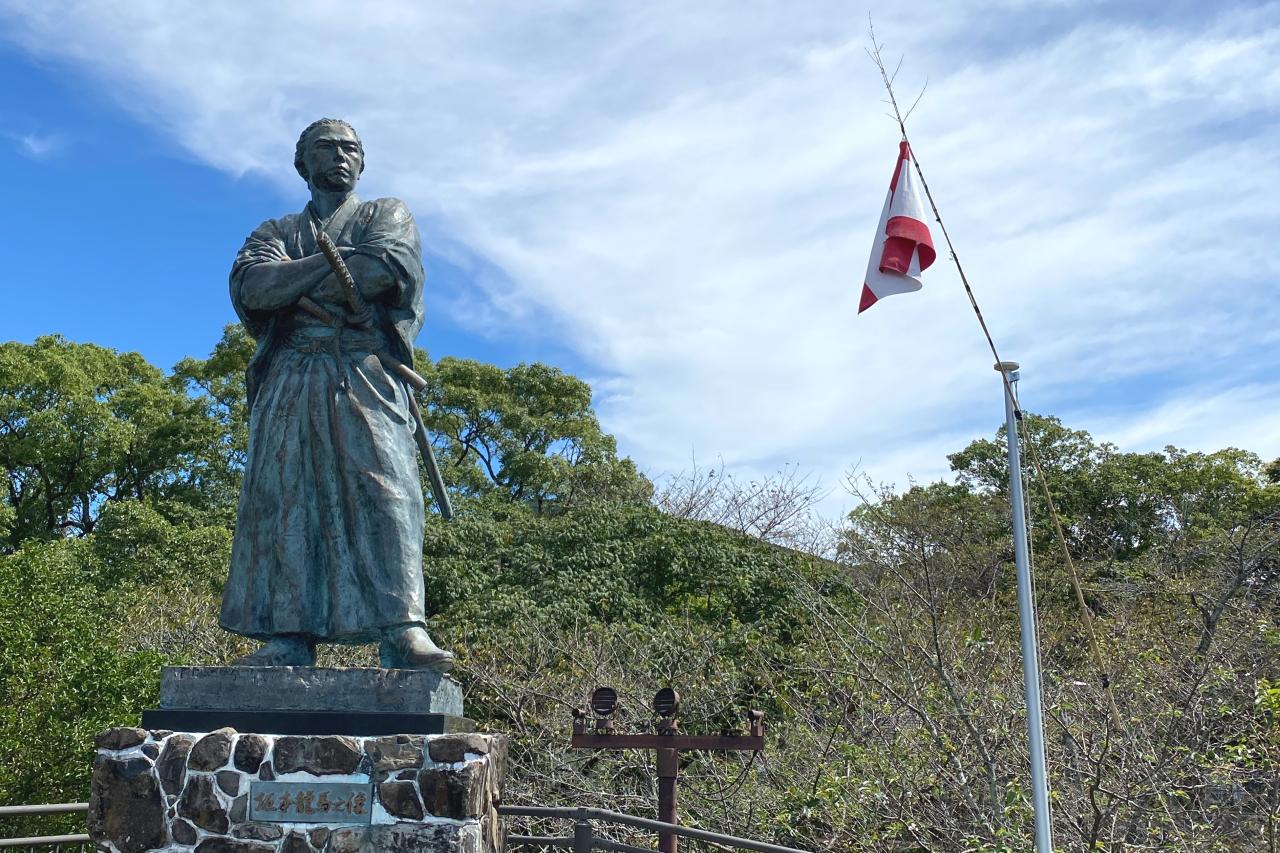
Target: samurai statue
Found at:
328, 538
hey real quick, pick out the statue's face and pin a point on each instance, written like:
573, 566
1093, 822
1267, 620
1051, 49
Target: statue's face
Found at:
333, 160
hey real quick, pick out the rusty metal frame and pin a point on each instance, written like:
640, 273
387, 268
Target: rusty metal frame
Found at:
666, 744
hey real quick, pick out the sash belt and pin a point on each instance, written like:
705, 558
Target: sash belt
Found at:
334, 341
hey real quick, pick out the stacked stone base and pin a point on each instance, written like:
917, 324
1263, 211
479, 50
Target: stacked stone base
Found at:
167, 791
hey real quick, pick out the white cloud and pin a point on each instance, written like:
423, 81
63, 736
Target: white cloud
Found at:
38, 146
1208, 418
685, 194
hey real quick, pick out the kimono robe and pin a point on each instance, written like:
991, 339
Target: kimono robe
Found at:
328, 538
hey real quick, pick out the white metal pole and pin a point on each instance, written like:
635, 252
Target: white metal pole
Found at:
1027, 618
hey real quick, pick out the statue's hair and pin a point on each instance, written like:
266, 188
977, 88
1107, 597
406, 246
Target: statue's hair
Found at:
301, 147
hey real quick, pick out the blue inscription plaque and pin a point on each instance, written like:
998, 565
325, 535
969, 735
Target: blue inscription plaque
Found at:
311, 802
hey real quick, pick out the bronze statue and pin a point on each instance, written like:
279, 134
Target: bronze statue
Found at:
328, 541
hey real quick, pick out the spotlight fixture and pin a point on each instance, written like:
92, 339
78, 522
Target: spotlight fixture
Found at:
666, 702
604, 701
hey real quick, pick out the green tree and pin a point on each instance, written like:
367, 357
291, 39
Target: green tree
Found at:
1116, 504
970, 528
82, 425
220, 379
607, 562
62, 677
525, 434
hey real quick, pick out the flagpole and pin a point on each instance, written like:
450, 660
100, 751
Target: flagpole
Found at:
1026, 615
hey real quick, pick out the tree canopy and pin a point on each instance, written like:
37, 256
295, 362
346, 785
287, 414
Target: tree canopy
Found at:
1120, 504
526, 434
82, 426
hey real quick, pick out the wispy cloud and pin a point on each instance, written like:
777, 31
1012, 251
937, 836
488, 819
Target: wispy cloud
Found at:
1209, 418
38, 146
685, 194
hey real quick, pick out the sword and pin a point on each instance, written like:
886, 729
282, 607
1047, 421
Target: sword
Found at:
361, 313
363, 316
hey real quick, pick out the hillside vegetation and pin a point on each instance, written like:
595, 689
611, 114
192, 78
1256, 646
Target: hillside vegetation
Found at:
883, 649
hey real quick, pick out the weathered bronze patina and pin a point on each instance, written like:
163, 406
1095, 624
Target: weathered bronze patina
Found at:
328, 542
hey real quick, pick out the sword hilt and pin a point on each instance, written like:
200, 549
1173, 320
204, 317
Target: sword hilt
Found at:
355, 299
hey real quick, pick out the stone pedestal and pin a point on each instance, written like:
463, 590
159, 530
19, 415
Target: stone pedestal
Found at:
299, 760
308, 700
228, 792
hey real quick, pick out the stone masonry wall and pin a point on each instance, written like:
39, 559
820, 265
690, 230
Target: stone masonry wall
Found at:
167, 791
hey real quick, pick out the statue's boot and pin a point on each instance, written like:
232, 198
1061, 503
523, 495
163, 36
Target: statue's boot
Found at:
410, 647
281, 651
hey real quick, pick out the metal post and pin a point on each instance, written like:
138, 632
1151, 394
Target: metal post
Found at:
668, 772
584, 839
1027, 618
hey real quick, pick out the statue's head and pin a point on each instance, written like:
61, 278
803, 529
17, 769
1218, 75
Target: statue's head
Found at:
329, 155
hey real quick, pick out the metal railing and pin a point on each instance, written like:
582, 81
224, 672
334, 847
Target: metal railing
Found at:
584, 839
63, 843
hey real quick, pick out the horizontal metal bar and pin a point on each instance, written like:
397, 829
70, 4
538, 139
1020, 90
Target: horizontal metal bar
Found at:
538, 811
645, 823
47, 808
44, 841
741, 743
688, 832
621, 847
541, 840
562, 841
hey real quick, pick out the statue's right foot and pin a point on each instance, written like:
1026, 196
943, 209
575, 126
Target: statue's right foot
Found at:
410, 647
281, 651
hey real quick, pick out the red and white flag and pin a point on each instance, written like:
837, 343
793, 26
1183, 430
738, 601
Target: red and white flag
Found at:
903, 246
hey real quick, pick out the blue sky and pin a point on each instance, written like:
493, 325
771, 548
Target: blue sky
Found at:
675, 201
130, 237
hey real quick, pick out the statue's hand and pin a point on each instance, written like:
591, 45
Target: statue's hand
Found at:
329, 290
267, 252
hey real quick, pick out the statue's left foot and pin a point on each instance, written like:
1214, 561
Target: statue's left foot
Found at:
410, 647
281, 651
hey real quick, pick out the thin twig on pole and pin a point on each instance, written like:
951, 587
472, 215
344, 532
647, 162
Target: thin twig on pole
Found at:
1086, 615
